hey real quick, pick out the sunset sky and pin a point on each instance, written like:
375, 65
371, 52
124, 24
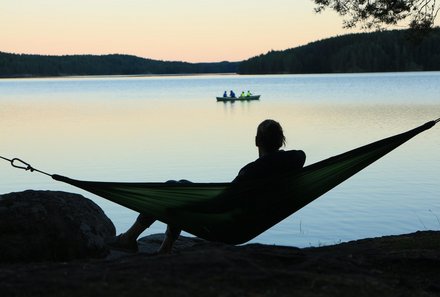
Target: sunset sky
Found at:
191, 30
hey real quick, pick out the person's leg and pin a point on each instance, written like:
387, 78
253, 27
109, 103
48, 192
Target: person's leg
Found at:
172, 232
142, 222
171, 236
128, 240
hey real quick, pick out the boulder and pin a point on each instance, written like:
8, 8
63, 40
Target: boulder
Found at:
150, 244
51, 226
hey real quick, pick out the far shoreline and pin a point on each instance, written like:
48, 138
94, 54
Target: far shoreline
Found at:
30, 77
116, 75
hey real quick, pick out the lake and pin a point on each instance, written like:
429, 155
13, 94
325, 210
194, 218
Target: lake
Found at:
171, 127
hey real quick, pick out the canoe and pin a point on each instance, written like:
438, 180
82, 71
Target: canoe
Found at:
246, 98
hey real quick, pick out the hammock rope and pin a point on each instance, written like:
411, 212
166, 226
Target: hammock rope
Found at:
20, 164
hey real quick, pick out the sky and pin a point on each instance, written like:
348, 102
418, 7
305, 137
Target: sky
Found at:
171, 30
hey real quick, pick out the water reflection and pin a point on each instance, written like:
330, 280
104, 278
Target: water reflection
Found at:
238, 106
155, 129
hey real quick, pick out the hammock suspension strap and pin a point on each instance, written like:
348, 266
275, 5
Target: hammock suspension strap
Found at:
20, 164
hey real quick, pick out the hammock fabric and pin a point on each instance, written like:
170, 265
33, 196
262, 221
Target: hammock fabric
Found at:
237, 212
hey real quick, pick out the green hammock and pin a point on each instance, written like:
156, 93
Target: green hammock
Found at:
237, 212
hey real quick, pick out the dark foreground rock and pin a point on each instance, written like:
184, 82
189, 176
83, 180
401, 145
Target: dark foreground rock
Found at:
405, 265
55, 226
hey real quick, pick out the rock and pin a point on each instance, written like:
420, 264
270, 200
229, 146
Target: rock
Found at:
51, 226
151, 243
405, 265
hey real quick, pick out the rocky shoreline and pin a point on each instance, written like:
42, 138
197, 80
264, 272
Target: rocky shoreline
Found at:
402, 265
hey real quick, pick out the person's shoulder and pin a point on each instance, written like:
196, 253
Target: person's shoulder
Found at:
246, 172
294, 153
248, 166
297, 156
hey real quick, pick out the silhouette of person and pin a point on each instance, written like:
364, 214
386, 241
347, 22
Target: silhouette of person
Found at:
225, 94
271, 160
232, 94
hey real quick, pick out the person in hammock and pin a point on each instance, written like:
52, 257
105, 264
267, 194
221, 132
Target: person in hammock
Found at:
271, 161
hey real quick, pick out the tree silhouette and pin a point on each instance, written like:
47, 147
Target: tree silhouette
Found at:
370, 14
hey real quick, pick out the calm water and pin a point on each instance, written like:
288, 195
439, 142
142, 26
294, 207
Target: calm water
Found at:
160, 128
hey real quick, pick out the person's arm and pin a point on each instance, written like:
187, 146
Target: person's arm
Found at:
301, 158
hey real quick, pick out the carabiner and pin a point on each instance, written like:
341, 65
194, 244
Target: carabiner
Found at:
23, 165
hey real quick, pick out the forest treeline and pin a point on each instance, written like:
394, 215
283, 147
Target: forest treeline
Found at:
22, 65
385, 51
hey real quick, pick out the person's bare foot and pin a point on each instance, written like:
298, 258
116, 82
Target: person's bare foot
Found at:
122, 243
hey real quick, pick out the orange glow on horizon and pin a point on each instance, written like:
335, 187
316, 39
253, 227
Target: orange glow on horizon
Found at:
192, 31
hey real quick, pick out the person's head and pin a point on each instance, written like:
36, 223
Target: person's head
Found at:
270, 136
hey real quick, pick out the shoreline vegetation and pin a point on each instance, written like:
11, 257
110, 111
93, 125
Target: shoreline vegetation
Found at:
31, 66
385, 51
